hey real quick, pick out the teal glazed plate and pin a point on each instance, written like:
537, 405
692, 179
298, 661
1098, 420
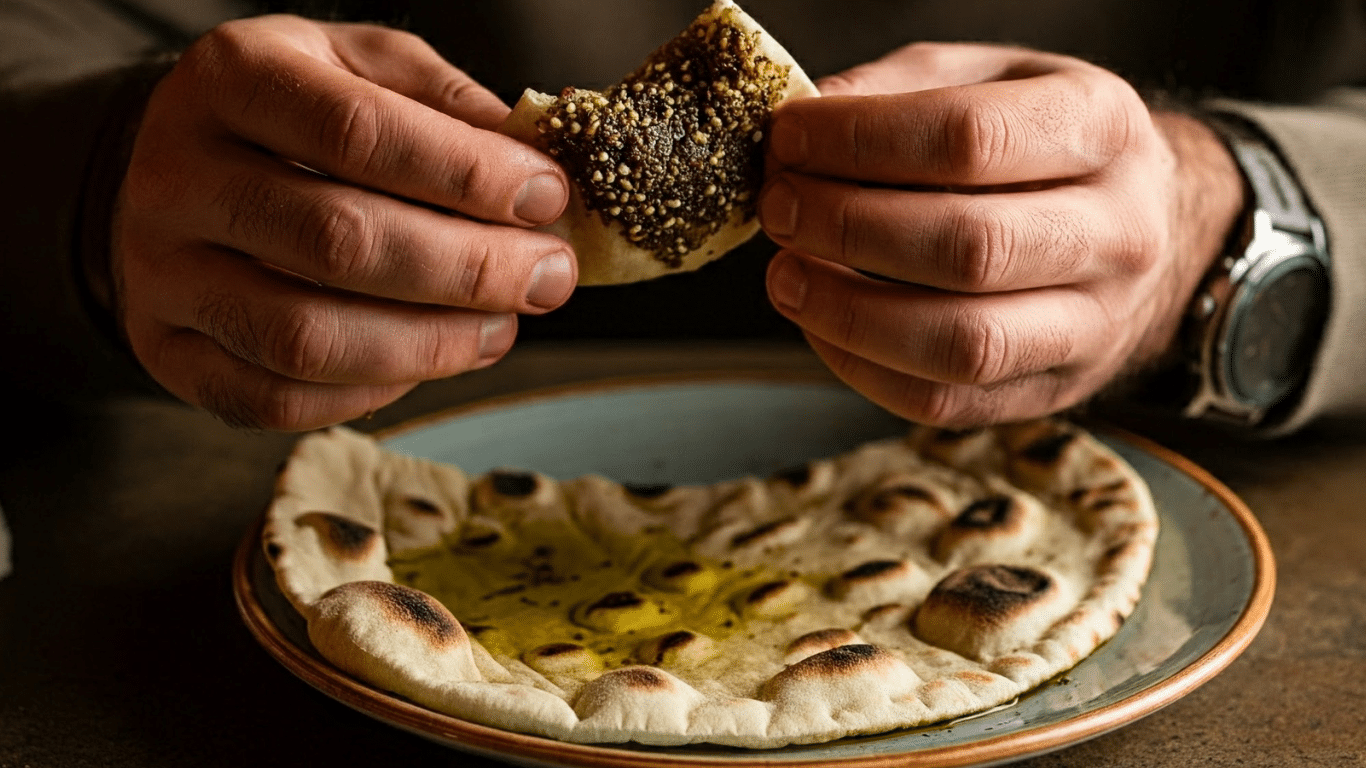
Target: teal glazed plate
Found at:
1200, 609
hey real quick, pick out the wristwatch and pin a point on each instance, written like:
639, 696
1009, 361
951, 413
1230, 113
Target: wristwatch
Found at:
1256, 320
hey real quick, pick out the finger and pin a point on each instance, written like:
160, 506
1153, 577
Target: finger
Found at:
405, 63
946, 337
194, 368
278, 323
921, 66
949, 405
316, 113
1064, 123
352, 238
960, 242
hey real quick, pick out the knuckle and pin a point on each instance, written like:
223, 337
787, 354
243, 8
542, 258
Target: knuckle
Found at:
349, 133
301, 343
977, 351
849, 213
224, 318
980, 246
278, 409
977, 141
936, 405
957, 407
469, 177
850, 327
338, 236
473, 281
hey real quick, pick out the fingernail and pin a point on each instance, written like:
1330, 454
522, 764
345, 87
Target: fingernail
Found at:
495, 337
788, 142
788, 284
778, 209
551, 281
541, 199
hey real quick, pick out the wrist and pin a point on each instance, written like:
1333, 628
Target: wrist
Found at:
1208, 201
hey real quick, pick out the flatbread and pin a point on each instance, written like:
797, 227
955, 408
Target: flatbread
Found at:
904, 583
668, 163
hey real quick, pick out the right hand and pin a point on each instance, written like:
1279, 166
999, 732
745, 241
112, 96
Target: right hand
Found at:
317, 217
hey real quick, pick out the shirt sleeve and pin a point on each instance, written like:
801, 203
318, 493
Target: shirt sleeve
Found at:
74, 75
1324, 144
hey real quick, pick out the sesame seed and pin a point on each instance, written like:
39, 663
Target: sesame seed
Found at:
758, 136
574, 127
674, 203
556, 123
597, 176
615, 210
624, 169
602, 157
570, 108
711, 189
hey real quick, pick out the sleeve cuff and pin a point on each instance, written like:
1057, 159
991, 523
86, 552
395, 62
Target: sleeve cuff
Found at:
1325, 146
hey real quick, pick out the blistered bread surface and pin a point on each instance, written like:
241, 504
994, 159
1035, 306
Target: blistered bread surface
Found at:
907, 582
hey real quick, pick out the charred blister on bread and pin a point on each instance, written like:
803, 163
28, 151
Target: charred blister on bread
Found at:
996, 527
819, 641
773, 599
623, 612
687, 577
982, 611
902, 504
567, 659
341, 537
878, 581
682, 648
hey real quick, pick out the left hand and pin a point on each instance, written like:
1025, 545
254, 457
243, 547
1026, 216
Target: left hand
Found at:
1042, 231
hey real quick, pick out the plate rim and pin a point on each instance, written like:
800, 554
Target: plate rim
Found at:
499, 743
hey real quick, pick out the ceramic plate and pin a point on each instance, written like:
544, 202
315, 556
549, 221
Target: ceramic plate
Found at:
1208, 593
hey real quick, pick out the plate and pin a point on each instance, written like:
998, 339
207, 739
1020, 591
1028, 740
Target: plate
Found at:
1208, 593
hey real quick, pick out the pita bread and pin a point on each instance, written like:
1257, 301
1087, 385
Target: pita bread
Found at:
907, 582
668, 163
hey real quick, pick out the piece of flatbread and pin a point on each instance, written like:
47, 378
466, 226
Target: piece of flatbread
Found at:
907, 582
666, 165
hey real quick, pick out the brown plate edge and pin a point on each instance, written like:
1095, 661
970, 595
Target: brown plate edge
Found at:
1013, 746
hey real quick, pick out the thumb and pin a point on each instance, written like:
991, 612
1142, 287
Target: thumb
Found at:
406, 64
922, 66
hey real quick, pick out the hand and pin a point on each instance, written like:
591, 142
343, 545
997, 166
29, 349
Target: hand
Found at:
1042, 231
319, 216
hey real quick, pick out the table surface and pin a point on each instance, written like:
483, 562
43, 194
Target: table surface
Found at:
120, 644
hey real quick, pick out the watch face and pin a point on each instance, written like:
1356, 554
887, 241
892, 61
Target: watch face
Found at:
1274, 332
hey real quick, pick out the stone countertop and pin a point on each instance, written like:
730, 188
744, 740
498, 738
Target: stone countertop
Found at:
120, 644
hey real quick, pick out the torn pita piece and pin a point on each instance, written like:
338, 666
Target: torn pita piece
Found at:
667, 164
